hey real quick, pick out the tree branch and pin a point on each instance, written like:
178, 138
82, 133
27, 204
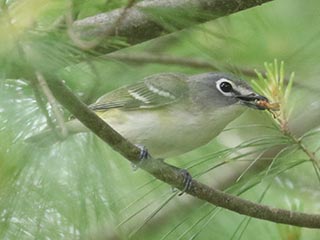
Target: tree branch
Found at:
147, 58
138, 25
171, 174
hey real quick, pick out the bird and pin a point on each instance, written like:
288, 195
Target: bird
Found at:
171, 113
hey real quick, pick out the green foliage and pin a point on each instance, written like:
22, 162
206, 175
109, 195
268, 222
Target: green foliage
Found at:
80, 188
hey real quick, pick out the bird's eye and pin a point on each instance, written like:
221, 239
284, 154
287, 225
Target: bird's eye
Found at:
225, 87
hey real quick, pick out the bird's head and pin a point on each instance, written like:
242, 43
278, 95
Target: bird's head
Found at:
224, 90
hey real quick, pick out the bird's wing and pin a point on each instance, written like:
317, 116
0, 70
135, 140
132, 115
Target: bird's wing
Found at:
155, 91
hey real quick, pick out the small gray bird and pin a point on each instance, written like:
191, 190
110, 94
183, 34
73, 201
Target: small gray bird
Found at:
172, 113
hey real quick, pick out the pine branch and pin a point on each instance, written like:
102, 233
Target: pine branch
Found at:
137, 25
171, 174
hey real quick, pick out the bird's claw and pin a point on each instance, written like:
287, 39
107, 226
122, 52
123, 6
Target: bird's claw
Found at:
187, 181
144, 154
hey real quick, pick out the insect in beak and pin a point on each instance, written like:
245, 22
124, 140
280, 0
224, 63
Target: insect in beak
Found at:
254, 100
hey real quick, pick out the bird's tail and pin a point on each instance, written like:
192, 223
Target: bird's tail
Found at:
49, 137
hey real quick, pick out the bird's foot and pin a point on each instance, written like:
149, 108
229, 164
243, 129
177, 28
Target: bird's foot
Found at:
144, 154
187, 181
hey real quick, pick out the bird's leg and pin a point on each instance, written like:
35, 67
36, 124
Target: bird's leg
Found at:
160, 164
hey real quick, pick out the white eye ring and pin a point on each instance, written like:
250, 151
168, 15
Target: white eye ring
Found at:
228, 88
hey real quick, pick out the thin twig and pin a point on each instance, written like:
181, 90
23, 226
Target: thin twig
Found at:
196, 63
161, 59
311, 155
172, 175
42, 105
52, 101
173, 60
283, 124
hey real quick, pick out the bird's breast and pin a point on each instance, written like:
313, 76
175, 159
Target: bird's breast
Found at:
169, 132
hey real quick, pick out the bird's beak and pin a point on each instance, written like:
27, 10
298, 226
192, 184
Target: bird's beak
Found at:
252, 100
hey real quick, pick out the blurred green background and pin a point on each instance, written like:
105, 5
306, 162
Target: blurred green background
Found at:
80, 188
